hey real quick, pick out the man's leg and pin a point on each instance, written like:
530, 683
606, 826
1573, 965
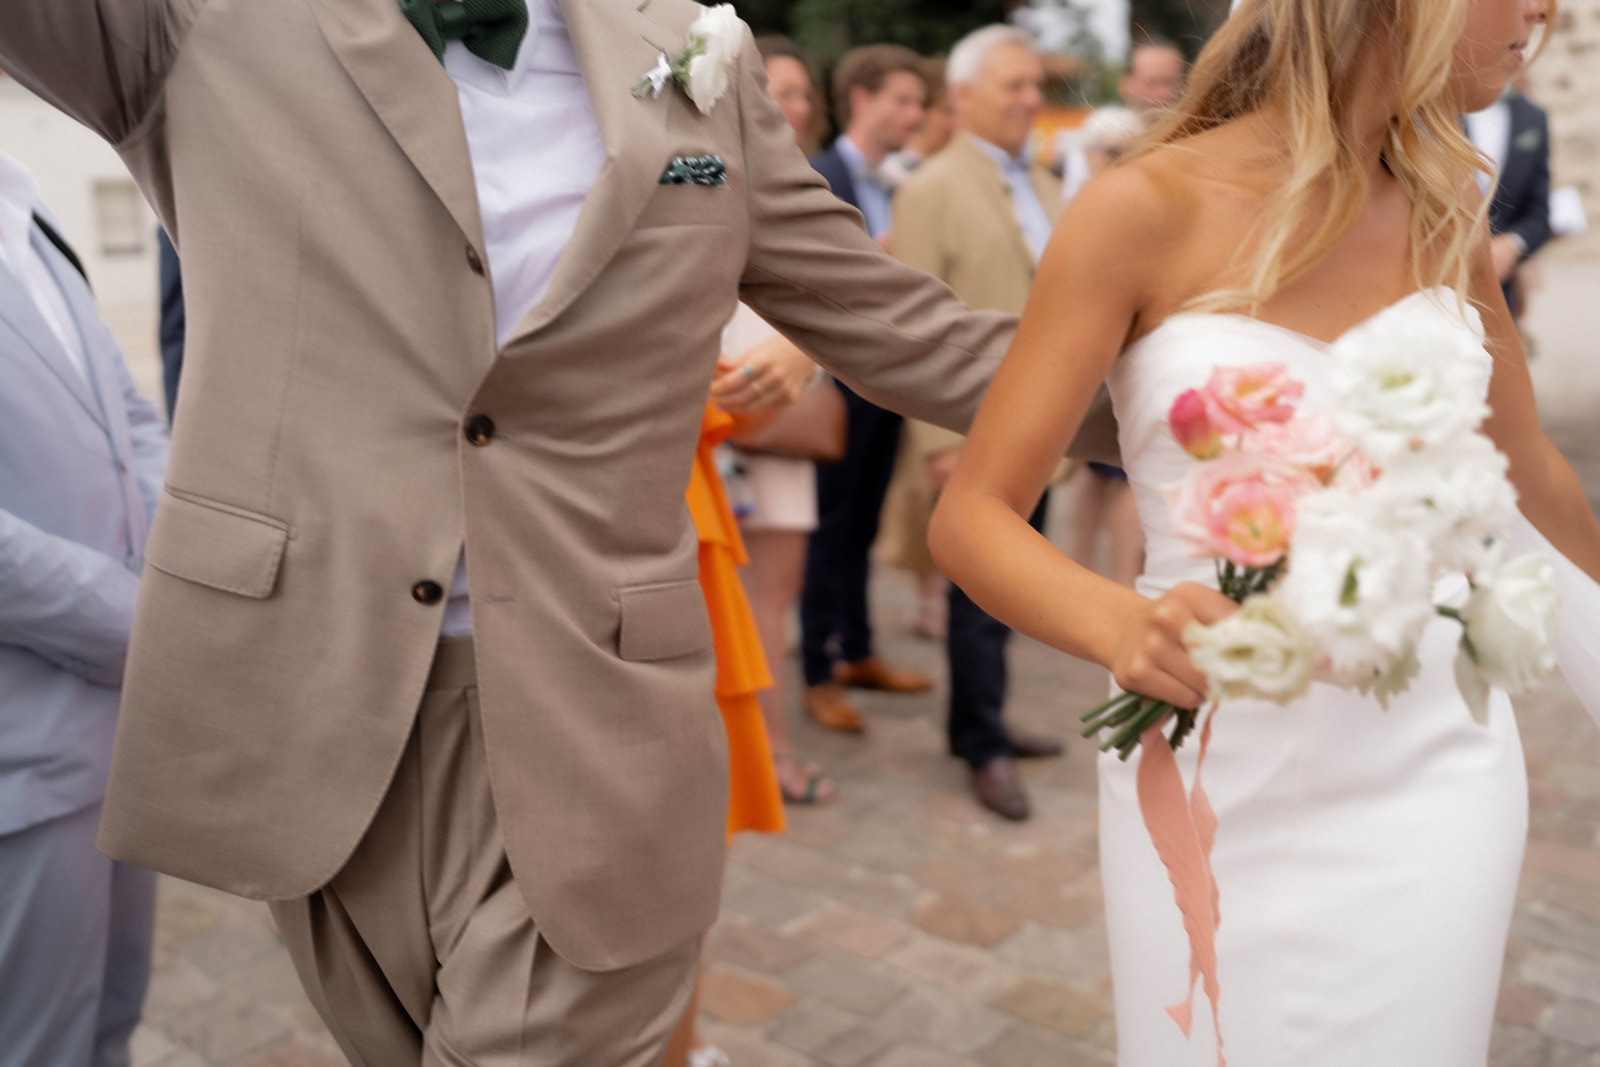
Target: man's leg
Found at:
421, 950
821, 590
975, 649
129, 943
55, 893
876, 440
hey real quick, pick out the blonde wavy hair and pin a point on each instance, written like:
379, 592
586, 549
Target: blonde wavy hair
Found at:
1308, 57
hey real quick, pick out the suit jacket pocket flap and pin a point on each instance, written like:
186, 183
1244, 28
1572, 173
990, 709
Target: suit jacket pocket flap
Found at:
662, 621
216, 545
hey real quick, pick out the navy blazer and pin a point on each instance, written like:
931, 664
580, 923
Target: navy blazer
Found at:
1521, 202
831, 165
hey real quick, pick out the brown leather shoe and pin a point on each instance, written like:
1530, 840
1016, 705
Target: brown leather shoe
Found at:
828, 706
1000, 790
1033, 746
875, 673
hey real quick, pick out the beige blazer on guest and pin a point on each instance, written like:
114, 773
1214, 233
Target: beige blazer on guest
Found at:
309, 159
954, 218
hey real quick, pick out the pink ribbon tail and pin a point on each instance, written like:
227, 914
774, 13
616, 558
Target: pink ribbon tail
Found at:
1183, 829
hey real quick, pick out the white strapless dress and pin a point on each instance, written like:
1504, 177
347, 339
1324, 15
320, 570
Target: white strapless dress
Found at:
1367, 860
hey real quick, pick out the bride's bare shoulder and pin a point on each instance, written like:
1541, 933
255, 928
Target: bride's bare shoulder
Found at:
1154, 201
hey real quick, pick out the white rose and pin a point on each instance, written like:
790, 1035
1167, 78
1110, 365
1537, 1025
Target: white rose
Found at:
1455, 495
715, 39
1360, 591
1408, 376
1258, 651
1511, 624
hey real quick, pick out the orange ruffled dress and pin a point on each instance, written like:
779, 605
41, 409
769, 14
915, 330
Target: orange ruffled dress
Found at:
754, 801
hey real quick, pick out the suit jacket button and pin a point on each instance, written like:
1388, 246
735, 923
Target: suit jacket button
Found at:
474, 261
427, 592
480, 430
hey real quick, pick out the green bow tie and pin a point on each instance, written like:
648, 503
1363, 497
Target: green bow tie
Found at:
492, 30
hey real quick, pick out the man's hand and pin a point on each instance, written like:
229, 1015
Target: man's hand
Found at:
1506, 251
771, 375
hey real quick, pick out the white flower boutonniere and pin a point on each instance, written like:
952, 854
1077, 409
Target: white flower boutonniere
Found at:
702, 68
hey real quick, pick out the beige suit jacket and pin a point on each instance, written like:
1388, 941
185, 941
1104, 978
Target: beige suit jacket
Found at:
954, 219
309, 159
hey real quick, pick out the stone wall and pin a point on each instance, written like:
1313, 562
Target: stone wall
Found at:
1566, 80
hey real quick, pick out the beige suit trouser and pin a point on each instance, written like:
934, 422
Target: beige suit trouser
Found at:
421, 950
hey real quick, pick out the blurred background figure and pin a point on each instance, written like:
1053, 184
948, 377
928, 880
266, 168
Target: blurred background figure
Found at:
880, 94
932, 133
1092, 148
778, 506
82, 458
903, 538
1514, 134
1155, 75
174, 325
978, 217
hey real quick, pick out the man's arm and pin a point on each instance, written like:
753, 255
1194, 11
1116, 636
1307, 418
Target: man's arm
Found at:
65, 602
101, 61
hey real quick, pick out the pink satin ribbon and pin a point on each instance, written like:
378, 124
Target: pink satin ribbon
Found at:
1183, 828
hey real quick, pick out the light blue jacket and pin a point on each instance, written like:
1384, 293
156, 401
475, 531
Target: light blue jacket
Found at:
81, 462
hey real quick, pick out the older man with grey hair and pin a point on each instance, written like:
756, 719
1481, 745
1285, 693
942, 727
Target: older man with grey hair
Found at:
978, 216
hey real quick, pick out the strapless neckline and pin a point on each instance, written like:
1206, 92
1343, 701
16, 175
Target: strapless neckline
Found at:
1178, 318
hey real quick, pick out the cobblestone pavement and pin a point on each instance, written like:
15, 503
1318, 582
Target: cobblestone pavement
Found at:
902, 927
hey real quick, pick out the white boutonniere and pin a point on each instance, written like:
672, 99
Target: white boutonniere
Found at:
703, 66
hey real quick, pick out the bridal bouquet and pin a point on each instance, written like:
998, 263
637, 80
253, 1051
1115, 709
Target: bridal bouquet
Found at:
1330, 531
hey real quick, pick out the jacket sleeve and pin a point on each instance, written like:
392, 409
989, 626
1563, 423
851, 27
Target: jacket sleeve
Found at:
65, 602
101, 61
893, 334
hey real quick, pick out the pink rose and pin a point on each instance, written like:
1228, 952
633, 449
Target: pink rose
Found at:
1242, 398
1190, 420
1240, 508
1307, 440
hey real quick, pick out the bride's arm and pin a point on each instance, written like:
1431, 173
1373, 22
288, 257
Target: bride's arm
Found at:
1548, 491
1091, 285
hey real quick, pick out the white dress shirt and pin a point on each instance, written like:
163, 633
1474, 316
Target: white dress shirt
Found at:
536, 151
19, 199
1490, 132
872, 194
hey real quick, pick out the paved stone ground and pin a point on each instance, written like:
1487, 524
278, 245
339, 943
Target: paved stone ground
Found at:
902, 927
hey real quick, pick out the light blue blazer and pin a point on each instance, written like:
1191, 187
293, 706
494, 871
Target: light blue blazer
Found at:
81, 463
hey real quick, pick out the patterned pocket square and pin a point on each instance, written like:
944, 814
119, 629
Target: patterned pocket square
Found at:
695, 170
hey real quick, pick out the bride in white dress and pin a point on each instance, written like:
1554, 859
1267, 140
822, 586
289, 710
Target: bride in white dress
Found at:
1314, 178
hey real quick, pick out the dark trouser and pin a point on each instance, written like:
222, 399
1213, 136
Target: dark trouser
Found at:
976, 649
833, 601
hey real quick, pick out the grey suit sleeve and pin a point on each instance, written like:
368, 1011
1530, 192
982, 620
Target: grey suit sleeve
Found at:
103, 62
893, 334
64, 601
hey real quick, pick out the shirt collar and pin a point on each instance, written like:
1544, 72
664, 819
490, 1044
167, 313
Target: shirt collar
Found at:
854, 158
466, 68
1006, 161
19, 197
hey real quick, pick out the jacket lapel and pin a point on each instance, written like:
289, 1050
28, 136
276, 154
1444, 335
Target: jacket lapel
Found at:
412, 95
616, 45
99, 345
18, 314
995, 189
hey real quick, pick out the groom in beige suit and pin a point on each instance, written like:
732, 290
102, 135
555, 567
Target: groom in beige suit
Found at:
420, 655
